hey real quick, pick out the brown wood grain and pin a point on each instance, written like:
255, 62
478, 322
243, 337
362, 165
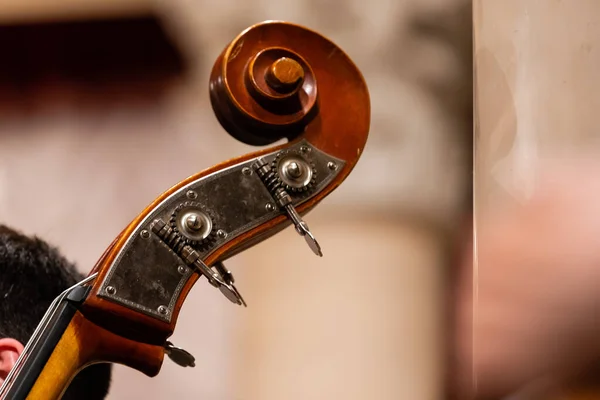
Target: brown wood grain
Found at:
84, 343
339, 126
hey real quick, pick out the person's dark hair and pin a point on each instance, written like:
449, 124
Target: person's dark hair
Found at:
32, 275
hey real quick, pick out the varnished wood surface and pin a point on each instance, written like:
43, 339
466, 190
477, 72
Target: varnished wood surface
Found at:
340, 128
84, 343
590, 394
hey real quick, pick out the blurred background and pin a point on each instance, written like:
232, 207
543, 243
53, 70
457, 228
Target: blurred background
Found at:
104, 105
536, 91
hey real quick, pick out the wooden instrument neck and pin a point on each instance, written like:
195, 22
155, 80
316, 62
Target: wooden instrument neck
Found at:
275, 80
33, 360
27, 375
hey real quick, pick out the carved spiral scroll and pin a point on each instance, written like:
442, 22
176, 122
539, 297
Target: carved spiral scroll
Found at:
274, 81
269, 82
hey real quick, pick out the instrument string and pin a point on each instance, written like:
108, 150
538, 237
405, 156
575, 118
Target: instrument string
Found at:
37, 334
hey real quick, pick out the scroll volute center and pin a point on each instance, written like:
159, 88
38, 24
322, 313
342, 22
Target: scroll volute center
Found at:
285, 75
282, 83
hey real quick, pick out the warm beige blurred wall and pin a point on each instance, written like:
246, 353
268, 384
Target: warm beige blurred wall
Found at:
537, 85
537, 96
364, 321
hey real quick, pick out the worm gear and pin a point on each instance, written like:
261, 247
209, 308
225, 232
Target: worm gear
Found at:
294, 172
194, 225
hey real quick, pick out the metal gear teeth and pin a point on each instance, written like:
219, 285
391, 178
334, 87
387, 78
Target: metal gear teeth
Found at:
200, 245
275, 163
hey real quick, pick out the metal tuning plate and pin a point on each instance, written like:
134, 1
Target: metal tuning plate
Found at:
180, 233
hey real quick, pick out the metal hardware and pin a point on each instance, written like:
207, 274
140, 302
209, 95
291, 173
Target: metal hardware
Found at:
194, 224
145, 273
179, 356
225, 273
284, 200
111, 290
229, 279
192, 258
145, 234
148, 277
331, 165
294, 171
302, 229
214, 278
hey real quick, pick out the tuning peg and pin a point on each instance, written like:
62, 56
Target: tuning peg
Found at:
224, 282
302, 229
179, 356
229, 289
284, 201
282, 197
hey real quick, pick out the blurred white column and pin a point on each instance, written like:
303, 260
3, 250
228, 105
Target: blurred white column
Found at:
537, 90
537, 93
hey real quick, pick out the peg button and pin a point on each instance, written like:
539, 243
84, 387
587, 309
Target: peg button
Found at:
285, 75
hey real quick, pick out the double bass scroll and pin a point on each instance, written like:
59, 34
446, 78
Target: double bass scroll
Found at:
274, 81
